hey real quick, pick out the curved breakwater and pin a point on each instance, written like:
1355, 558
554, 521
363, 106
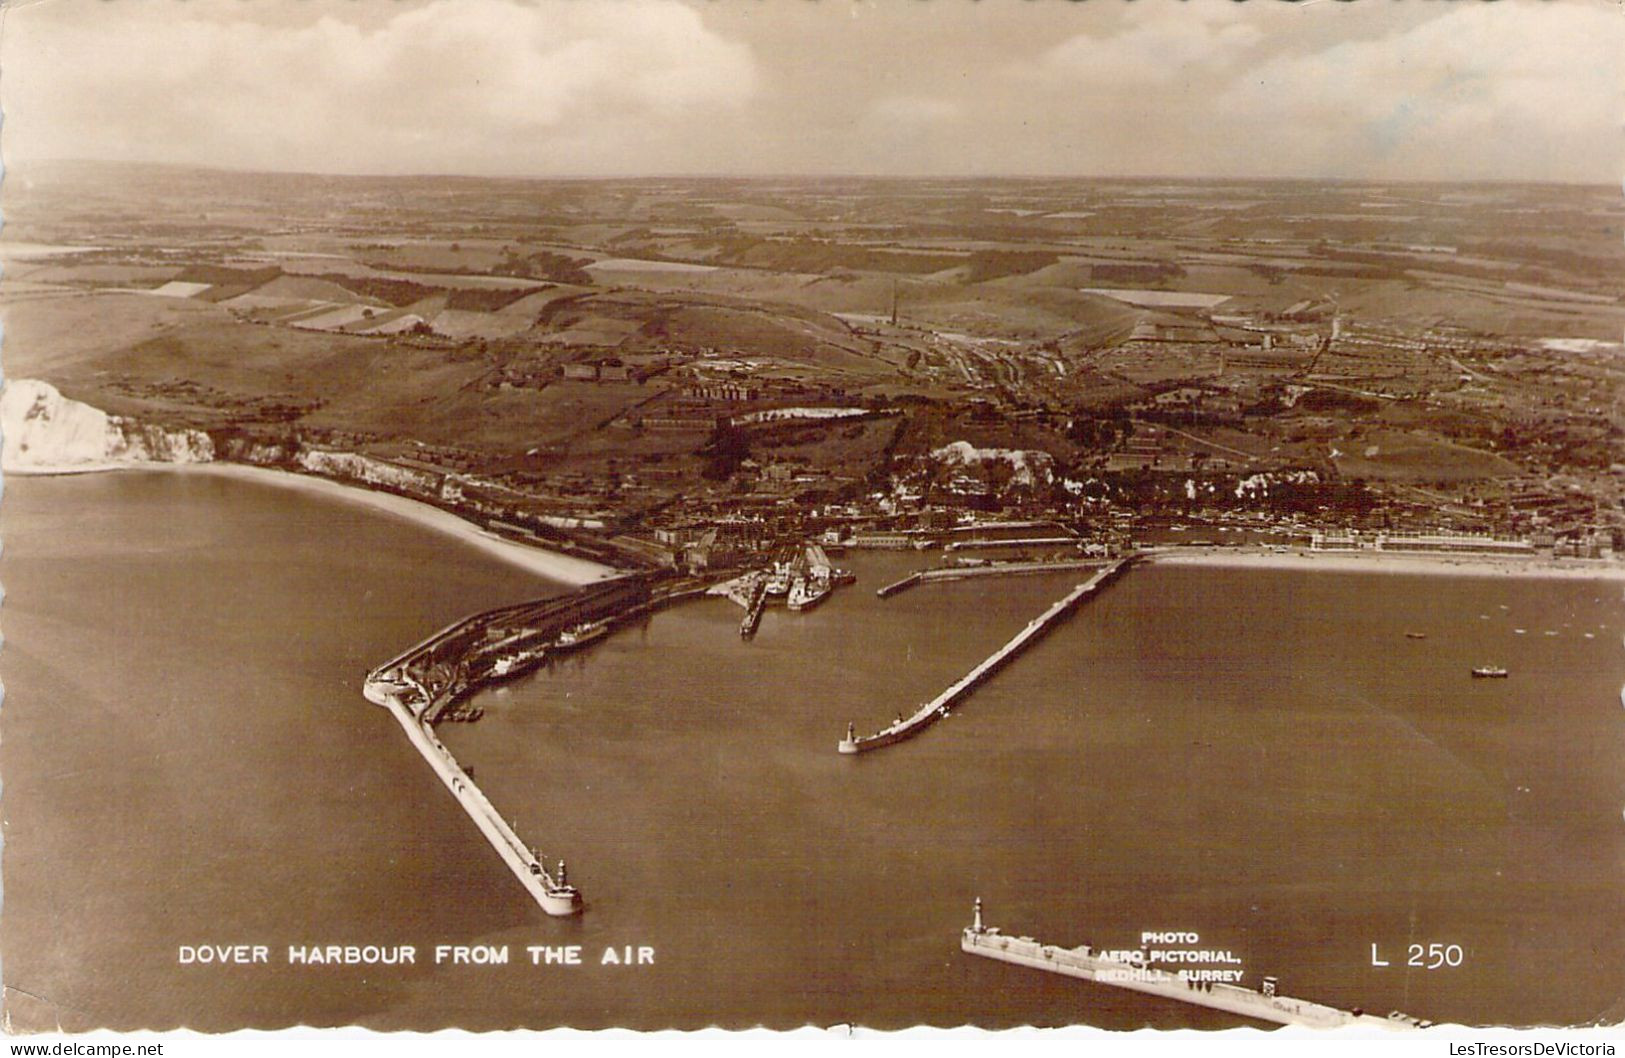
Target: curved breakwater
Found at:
427, 681
419, 686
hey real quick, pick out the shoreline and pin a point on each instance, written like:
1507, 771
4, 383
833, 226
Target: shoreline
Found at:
50, 470
574, 571
1389, 562
552, 565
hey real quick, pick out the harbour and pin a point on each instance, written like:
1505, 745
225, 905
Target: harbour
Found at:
1407, 820
433, 680
436, 444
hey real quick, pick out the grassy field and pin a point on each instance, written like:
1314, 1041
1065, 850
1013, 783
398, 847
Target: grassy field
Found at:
1388, 455
986, 279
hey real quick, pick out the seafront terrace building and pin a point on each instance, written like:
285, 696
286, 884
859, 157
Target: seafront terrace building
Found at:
1420, 542
884, 541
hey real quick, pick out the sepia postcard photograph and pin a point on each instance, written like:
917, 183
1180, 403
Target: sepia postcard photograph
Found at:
667, 514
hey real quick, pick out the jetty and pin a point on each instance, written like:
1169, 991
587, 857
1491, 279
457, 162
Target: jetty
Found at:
896, 586
757, 602
1263, 1004
937, 708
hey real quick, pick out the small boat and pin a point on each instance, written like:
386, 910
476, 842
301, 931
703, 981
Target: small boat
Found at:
1490, 672
1416, 635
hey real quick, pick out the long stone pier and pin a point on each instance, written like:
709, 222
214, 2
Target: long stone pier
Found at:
938, 707
550, 889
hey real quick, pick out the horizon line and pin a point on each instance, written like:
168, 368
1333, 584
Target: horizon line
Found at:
8, 166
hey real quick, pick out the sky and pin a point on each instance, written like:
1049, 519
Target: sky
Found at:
1369, 89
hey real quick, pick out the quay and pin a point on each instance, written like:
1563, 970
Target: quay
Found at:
996, 569
1000, 526
1024, 541
1264, 1004
938, 707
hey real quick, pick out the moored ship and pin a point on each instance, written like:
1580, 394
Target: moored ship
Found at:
1489, 672
807, 592
778, 582
580, 635
509, 666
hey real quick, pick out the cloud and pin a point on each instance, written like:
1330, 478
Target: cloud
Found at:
1159, 46
1512, 90
914, 110
463, 85
1521, 90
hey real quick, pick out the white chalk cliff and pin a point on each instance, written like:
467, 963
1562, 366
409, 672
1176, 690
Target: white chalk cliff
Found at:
43, 430
1029, 466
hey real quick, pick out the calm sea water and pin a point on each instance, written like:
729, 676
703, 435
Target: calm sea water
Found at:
1259, 757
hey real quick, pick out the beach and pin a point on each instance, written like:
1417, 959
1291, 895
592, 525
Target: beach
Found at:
550, 564
564, 568
1543, 568
57, 470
